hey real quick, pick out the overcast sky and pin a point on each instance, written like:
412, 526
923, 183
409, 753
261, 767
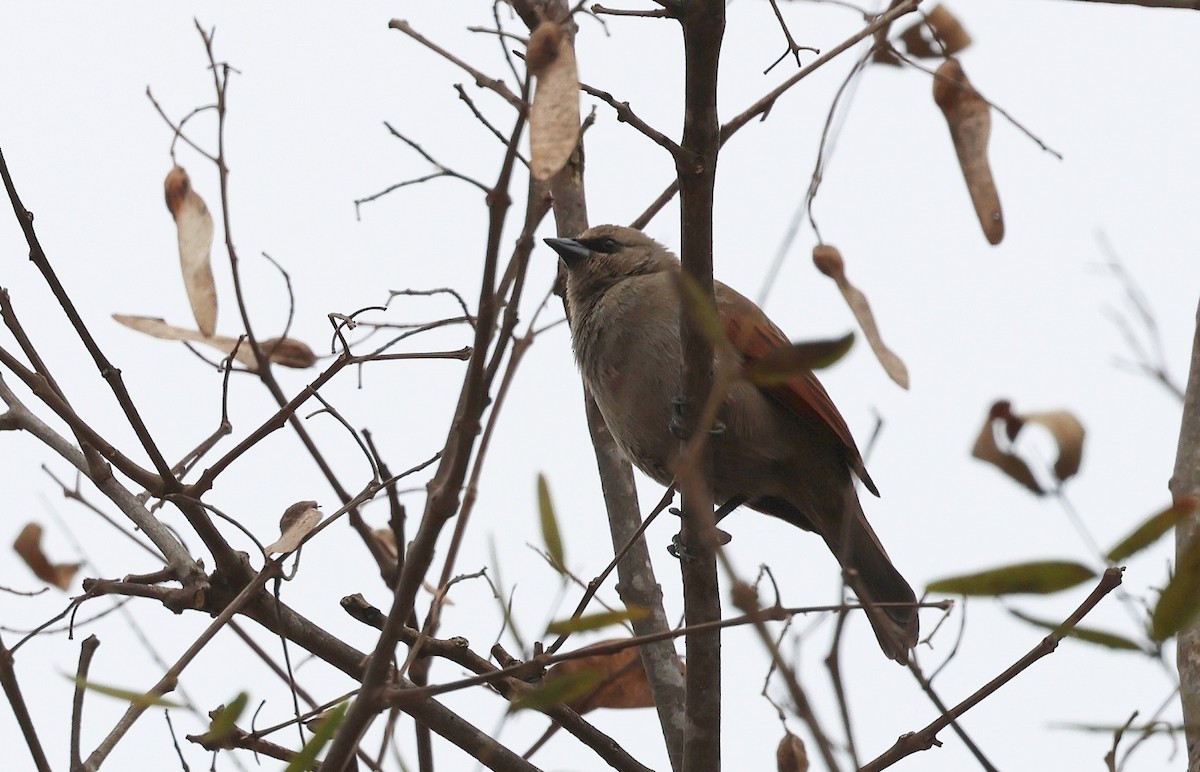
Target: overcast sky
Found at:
1111, 88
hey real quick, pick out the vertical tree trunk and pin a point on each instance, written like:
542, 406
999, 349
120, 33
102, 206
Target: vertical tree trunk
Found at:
1186, 479
703, 29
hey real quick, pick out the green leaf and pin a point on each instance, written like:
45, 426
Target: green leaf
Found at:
307, 757
1039, 578
224, 721
128, 695
795, 359
559, 691
701, 310
1150, 531
1180, 599
595, 621
550, 532
1091, 635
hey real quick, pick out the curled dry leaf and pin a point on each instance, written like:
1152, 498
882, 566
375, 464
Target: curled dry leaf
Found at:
791, 755
288, 352
987, 449
195, 228
1066, 429
297, 522
1068, 433
938, 34
386, 538
829, 262
622, 682
29, 547
969, 117
554, 115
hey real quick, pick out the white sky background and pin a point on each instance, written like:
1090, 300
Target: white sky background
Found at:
1110, 87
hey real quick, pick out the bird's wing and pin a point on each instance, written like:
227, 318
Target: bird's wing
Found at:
754, 336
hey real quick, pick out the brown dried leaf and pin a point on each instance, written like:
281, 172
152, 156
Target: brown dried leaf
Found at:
554, 115
387, 539
1068, 433
195, 228
29, 547
829, 262
622, 681
969, 117
987, 450
288, 352
1066, 429
948, 36
791, 755
297, 521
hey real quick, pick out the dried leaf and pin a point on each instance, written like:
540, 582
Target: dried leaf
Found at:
622, 683
1179, 602
969, 117
554, 115
1155, 526
1091, 635
791, 755
785, 362
1068, 434
195, 227
550, 532
595, 621
387, 539
288, 352
29, 547
987, 450
945, 37
1036, 578
1066, 429
829, 262
297, 522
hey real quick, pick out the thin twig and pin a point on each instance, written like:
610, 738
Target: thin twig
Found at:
925, 738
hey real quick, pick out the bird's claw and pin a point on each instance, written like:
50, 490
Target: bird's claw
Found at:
678, 550
678, 424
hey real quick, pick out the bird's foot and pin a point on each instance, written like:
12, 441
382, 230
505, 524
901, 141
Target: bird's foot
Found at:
679, 425
677, 549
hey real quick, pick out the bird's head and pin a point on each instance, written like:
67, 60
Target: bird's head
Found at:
606, 254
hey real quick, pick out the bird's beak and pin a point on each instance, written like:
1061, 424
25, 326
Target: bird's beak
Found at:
571, 251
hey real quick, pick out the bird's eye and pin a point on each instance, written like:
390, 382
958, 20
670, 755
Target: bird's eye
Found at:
607, 245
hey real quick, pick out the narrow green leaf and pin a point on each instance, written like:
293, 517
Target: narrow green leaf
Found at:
1089, 634
558, 691
1039, 578
1180, 599
1153, 529
307, 757
595, 621
797, 358
128, 695
550, 532
701, 310
225, 720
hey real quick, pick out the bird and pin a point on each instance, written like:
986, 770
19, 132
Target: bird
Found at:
782, 449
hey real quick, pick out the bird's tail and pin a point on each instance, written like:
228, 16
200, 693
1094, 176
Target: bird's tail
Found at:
888, 599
